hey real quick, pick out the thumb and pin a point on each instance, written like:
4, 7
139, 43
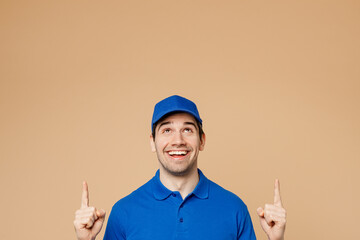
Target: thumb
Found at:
260, 212
99, 222
263, 223
101, 214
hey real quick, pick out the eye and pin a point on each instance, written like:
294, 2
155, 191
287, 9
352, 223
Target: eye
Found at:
188, 130
166, 130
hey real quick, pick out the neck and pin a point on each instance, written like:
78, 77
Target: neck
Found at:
182, 184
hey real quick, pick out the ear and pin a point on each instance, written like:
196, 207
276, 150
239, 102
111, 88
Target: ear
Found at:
202, 142
152, 143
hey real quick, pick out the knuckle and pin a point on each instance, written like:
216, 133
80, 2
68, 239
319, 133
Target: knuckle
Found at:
86, 221
77, 224
89, 224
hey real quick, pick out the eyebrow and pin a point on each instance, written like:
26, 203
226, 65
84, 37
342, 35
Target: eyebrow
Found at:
185, 123
190, 123
163, 123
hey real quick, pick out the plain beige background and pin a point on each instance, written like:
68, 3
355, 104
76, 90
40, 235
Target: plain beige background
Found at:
276, 82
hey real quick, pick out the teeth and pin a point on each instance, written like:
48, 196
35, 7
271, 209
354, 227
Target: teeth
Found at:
177, 153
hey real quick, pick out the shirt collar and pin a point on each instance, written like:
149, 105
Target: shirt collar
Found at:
202, 188
161, 192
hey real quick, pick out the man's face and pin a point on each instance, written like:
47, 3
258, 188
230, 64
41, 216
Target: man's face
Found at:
177, 144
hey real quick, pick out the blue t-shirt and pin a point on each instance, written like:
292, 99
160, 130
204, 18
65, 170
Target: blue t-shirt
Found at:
153, 212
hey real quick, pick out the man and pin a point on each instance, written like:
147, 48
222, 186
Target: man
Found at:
179, 202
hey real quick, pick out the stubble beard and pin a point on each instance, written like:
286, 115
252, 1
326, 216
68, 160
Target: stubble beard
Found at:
179, 172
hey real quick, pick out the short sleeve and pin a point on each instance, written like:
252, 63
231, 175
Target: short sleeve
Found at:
245, 227
115, 229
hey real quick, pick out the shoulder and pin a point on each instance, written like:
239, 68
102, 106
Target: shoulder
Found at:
218, 193
123, 210
230, 203
139, 195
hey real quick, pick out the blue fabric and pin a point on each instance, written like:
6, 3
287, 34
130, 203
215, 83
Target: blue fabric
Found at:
153, 212
172, 104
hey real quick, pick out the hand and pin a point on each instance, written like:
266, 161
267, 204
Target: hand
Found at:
88, 220
273, 217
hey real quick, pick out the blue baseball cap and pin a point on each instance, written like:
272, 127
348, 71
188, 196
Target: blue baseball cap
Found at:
172, 104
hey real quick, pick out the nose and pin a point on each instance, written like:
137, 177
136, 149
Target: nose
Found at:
178, 139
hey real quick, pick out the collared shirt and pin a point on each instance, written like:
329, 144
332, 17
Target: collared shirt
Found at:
153, 212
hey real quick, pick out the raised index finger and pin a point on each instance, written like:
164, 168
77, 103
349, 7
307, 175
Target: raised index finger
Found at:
277, 197
85, 196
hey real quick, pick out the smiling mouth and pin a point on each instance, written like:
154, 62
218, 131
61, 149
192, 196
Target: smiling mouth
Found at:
178, 153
